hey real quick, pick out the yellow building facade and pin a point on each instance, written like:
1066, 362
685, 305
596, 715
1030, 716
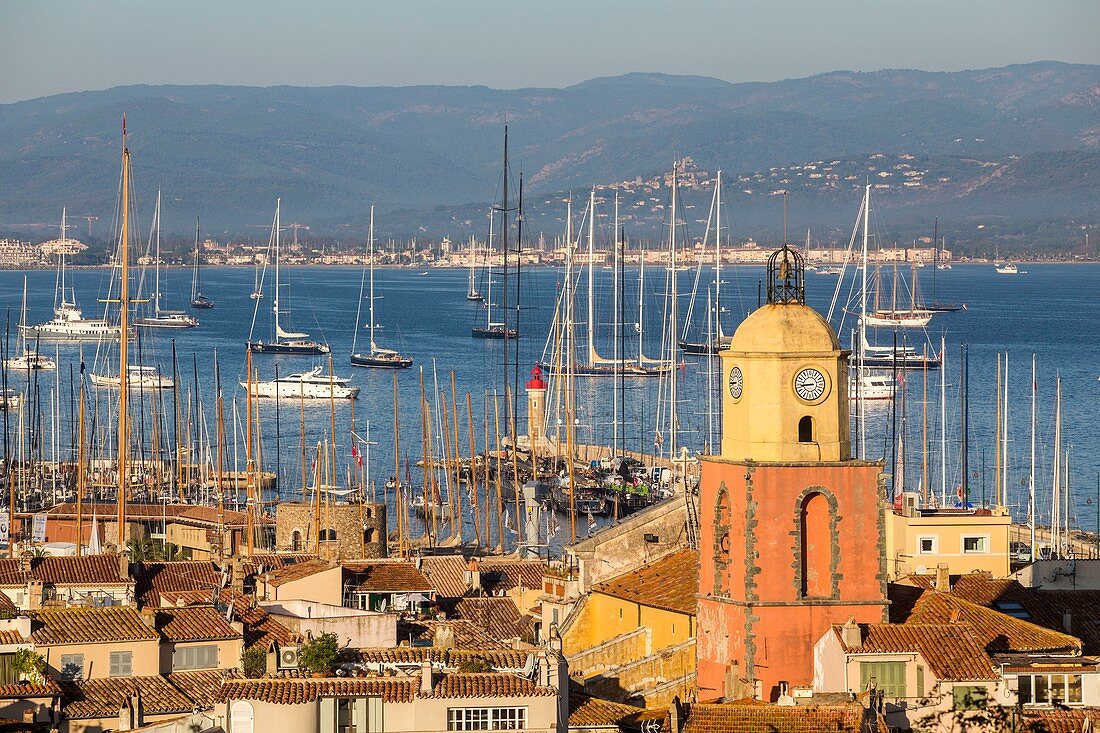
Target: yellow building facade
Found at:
965, 540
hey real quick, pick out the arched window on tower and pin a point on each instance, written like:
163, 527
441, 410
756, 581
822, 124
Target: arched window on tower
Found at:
806, 430
816, 552
296, 541
328, 535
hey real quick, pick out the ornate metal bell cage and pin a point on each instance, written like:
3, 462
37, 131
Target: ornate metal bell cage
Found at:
786, 276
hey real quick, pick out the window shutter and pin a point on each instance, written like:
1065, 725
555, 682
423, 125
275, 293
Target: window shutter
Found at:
328, 715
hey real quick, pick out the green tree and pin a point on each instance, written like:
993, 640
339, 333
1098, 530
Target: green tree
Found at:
29, 664
319, 654
254, 662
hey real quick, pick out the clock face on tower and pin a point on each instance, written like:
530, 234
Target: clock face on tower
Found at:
809, 384
736, 382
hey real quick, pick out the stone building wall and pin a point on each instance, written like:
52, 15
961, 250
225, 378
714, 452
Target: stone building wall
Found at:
348, 531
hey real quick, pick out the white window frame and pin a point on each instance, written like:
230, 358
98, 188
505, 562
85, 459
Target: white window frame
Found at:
1064, 700
69, 660
502, 718
985, 544
116, 666
934, 539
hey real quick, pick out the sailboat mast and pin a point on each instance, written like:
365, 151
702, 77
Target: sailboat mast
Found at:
943, 421
717, 262
370, 239
863, 315
591, 252
1056, 503
672, 327
616, 356
275, 300
1031, 475
124, 333
489, 268
156, 262
1004, 440
195, 265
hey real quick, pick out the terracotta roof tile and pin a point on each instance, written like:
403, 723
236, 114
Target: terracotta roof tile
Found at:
89, 626
765, 718
294, 691
271, 560
488, 684
194, 623
260, 627
498, 659
295, 571
499, 617
592, 712
1082, 605
669, 583
467, 635
387, 577
951, 650
1059, 721
161, 695
11, 636
447, 574
997, 632
63, 570
48, 688
505, 575
153, 580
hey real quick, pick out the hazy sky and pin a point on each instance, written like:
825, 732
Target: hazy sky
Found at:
68, 45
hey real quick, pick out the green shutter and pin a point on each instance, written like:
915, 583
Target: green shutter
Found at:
328, 715
920, 680
889, 677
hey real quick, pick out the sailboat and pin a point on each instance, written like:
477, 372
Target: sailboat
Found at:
130, 376
377, 356
717, 341
895, 317
29, 359
498, 329
471, 288
69, 323
257, 289
162, 317
198, 300
595, 365
285, 342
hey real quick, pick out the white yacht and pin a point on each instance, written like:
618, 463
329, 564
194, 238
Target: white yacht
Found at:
137, 377
871, 386
1009, 268
311, 385
69, 324
30, 360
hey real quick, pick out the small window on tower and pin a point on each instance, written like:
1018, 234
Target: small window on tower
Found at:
806, 430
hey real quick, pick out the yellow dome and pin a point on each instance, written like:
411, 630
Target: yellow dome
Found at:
787, 328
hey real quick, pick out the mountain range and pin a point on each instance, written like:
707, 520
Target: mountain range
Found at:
1016, 148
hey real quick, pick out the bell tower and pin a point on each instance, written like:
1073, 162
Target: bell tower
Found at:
791, 527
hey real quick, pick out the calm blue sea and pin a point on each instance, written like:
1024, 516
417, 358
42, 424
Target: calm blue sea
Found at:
1052, 312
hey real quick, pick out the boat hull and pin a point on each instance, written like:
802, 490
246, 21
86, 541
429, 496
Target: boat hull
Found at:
689, 347
300, 390
181, 321
381, 362
287, 347
49, 332
202, 302
607, 370
494, 332
102, 380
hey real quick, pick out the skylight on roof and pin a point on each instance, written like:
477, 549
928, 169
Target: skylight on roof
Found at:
1013, 608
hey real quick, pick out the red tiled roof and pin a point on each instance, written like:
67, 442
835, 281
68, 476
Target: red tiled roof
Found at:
592, 712
766, 718
89, 626
298, 690
295, 571
467, 635
951, 650
505, 575
47, 688
497, 616
388, 577
160, 694
447, 574
63, 570
156, 579
194, 623
997, 632
1059, 721
449, 658
669, 583
488, 684
11, 636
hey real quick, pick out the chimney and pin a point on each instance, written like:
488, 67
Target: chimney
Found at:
123, 566
444, 637
138, 707
1067, 620
34, 595
427, 680
149, 617
850, 634
126, 715
25, 562
473, 575
674, 715
943, 578
955, 617
236, 574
